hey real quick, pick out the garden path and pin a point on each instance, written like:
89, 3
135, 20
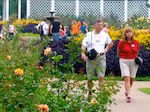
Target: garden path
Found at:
140, 101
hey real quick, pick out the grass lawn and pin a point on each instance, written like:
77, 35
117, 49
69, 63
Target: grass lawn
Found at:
145, 90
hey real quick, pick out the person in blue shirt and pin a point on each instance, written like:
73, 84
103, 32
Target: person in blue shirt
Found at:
83, 27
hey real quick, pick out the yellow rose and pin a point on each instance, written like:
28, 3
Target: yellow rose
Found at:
8, 57
93, 101
47, 51
18, 72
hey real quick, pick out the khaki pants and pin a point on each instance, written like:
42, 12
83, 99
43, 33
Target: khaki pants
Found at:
96, 67
128, 67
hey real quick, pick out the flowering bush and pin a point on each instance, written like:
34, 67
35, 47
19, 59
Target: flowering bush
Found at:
3, 22
24, 22
25, 92
21, 22
78, 39
23, 25
38, 90
143, 36
115, 33
140, 23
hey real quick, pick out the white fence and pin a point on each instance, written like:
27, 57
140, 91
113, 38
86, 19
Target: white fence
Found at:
122, 9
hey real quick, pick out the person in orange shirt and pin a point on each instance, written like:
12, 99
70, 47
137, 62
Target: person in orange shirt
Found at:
75, 27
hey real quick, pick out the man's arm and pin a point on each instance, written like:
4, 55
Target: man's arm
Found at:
109, 43
83, 56
108, 47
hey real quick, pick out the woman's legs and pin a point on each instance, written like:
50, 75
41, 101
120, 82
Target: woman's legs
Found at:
127, 84
128, 71
131, 82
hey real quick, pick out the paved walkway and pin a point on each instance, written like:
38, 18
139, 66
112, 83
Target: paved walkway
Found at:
140, 101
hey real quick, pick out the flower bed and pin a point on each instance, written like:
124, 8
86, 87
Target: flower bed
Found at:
21, 80
26, 88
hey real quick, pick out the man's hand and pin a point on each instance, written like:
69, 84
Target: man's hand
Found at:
105, 50
84, 57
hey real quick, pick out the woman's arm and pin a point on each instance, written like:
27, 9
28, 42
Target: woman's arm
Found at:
119, 48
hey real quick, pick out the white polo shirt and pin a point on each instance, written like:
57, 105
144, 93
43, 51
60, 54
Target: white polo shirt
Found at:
96, 41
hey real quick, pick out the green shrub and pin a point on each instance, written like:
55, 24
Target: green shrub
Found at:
24, 86
139, 22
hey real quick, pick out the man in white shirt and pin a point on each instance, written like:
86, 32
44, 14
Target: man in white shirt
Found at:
43, 29
97, 39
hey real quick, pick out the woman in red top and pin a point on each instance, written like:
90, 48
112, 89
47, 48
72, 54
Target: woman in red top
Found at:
128, 50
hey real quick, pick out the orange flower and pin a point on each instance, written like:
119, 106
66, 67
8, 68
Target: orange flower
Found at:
18, 72
43, 108
8, 57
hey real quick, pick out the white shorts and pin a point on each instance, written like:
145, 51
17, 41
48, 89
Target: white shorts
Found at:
128, 67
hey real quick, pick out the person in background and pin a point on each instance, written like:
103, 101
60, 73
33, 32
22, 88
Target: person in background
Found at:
96, 39
68, 32
106, 27
43, 30
84, 27
62, 31
54, 29
75, 27
11, 30
128, 50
